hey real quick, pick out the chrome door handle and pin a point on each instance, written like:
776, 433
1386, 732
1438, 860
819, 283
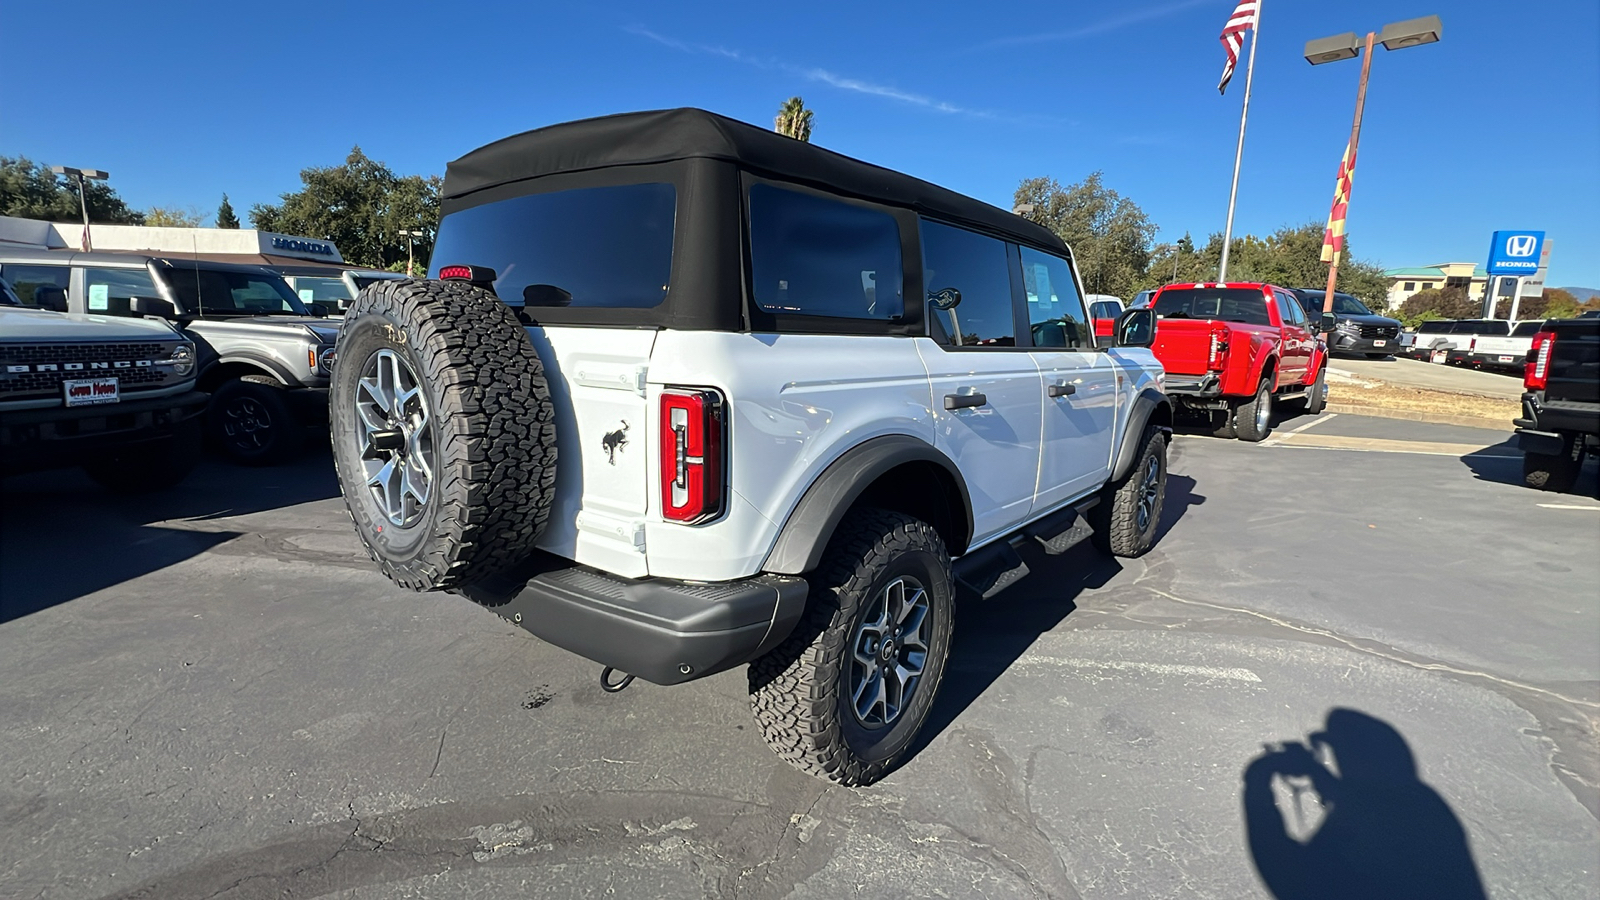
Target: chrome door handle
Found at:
963, 401
1061, 390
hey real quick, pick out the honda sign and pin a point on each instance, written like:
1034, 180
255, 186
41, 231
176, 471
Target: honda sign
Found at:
1515, 252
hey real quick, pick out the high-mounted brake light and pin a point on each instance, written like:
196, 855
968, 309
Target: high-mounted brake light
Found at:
692, 442
480, 276
1219, 348
1536, 371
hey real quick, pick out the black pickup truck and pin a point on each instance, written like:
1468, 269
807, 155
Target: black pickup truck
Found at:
1560, 421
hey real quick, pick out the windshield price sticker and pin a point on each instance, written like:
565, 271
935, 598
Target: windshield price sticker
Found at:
91, 391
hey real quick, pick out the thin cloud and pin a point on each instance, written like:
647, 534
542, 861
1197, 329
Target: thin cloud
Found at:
1101, 27
820, 76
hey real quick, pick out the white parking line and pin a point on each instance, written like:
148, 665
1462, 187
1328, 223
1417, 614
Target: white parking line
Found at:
1210, 672
1569, 506
1274, 441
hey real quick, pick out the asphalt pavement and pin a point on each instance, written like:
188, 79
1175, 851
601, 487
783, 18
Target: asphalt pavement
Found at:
1415, 373
212, 693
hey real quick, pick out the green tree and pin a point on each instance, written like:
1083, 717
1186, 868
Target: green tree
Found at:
1289, 257
226, 218
1109, 234
361, 206
793, 120
29, 190
1438, 303
173, 217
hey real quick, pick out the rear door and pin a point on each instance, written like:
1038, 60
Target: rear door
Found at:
986, 393
1078, 384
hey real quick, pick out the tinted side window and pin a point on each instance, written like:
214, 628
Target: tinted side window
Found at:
1055, 311
111, 289
601, 247
977, 267
812, 256
26, 280
1527, 329
1288, 309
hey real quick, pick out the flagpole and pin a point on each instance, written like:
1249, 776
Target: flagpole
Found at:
1238, 154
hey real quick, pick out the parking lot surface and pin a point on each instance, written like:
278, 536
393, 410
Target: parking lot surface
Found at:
1414, 373
212, 693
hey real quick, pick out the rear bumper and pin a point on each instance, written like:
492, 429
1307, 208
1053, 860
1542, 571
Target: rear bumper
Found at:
1540, 415
37, 438
663, 631
1203, 387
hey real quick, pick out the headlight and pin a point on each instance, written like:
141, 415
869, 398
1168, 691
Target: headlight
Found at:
325, 359
1347, 325
182, 359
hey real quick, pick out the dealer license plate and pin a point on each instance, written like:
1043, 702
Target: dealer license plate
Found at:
91, 391
1508, 359
1439, 356
1379, 343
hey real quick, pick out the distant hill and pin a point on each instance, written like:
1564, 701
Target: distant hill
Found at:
1583, 294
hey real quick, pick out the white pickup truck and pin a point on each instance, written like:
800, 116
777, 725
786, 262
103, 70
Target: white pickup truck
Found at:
1502, 351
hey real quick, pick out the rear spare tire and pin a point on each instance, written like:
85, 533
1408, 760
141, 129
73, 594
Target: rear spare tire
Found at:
443, 433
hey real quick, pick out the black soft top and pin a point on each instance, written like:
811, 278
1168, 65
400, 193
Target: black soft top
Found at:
661, 136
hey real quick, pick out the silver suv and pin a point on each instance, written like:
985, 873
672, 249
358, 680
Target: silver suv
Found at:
264, 356
689, 394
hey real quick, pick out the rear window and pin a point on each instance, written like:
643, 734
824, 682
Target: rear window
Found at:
1495, 327
602, 247
812, 256
1242, 305
1435, 326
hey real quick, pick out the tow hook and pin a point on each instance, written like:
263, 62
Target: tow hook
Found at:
614, 685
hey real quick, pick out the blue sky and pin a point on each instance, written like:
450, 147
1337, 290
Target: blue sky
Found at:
1498, 126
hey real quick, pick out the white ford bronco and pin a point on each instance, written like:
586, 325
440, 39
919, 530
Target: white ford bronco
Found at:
685, 394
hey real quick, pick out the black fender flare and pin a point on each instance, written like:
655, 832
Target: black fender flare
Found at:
261, 361
805, 534
1144, 406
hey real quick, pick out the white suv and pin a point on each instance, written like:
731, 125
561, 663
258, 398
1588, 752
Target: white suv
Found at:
688, 394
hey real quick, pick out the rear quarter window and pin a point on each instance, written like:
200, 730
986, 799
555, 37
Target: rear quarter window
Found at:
599, 247
814, 256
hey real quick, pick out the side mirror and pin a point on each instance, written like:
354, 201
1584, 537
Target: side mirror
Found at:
1328, 322
1136, 328
152, 306
948, 298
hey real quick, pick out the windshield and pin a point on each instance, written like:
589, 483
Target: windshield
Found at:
1247, 306
227, 292
1343, 304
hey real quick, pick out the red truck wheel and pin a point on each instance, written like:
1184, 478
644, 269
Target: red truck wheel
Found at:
1252, 419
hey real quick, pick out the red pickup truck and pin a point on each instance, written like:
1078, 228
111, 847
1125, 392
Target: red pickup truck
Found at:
1232, 350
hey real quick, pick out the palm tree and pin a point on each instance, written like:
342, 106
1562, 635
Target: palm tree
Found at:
794, 120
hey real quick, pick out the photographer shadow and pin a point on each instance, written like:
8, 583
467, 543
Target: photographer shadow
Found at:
1367, 828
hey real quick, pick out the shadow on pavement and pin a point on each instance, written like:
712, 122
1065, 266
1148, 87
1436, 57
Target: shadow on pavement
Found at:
62, 536
1502, 463
1367, 826
991, 635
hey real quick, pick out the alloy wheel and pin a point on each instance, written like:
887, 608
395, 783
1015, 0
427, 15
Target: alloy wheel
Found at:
888, 652
396, 437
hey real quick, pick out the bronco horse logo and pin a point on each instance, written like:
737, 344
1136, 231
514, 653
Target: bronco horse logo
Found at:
614, 441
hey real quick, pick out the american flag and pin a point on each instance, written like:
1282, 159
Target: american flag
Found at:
1333, 235
1242, 20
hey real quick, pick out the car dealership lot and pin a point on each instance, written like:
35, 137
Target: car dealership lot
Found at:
211, 692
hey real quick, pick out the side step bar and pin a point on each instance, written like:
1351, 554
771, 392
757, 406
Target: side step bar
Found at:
993, 568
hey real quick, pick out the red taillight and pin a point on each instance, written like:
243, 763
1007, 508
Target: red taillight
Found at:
1219, 348
481, 276
1536, 372
463, 273
691, 455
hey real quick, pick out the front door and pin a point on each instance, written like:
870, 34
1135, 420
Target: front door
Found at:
986, 394
1078, 384
1295, 357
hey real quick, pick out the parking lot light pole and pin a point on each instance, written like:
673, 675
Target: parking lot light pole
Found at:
1395, 36
83, 199
410, 235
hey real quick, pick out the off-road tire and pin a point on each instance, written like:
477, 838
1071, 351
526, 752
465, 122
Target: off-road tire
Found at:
493, 431
263, 396
1556, 472
1117, 528
799, 691
149, 466
1247, 420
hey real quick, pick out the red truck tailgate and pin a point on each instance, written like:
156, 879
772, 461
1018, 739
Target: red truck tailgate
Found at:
1183, 345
